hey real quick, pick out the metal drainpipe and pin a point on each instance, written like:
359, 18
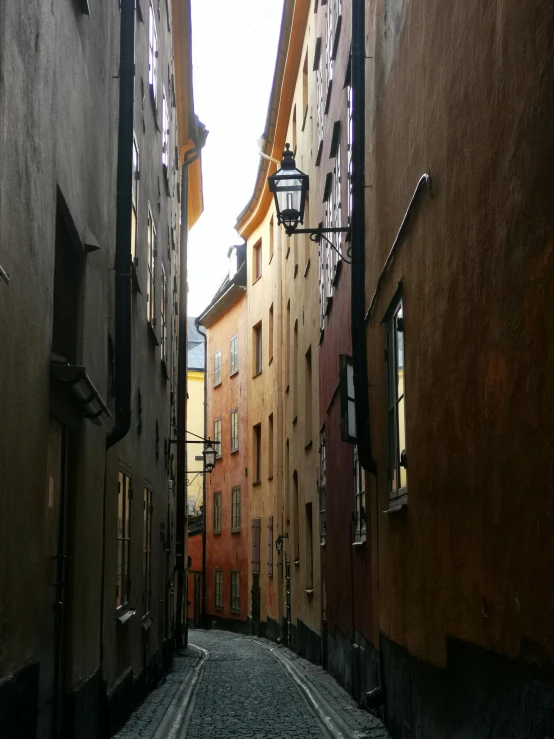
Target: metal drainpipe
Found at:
359, 348
122, 349
122, 379
180, 638
202, 620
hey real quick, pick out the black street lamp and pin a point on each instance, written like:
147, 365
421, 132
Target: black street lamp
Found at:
289, 186
209, 455
279, 542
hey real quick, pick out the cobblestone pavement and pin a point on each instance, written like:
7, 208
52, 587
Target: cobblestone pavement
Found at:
147, 718
245, 693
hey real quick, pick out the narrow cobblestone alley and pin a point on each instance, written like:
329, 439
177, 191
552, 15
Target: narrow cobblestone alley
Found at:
227, 685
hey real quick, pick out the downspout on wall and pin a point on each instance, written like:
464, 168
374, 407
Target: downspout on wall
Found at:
359, 347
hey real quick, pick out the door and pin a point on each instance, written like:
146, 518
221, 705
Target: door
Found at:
50, 682
197, 599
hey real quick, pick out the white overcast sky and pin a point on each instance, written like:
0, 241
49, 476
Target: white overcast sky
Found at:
234, 48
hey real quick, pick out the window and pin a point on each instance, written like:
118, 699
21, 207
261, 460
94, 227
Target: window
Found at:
270, 546
153, 55
218, 602
319, 99
134, 209
234, 430
288, 351
163, 316
329, 63
257, 261
165, 130
123, 579
217, 367
235, 509
295, 374
151, 286
349, 143
257, 344
309, 549
235, 591
270, 333
336, 215
271, 238
258, 452
322, 487
234, 356
217, 438
255, 546
294, 129
394, 353
306, 237
217, 513
147, 550
347, 400
322, 283
308, 398
359, 499
270, 447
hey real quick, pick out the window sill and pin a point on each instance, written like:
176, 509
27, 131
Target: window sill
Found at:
217, 384
294, 420
323, 543
233, 373
235, 531
165, 373
257, 374
256, 482
397, 508
359, 543
152, 334
310, 591
308, 445
338, 270
234, 610
257, 280
217, 533
146, 622
125, 616
288, 251
304, 118
270, 477
306, 268
328, 305
321, 336
234, 451
296, 562
287, 389
295, 271
218, 608
270, 360
270, 258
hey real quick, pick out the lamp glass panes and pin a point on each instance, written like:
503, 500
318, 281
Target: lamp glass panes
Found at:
209, 456
289, 186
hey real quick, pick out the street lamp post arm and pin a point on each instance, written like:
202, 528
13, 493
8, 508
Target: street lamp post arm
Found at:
316, 234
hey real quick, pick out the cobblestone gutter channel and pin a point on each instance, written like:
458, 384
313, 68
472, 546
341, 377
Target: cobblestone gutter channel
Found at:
227, 686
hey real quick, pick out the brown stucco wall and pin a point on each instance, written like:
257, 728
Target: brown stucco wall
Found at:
465, 90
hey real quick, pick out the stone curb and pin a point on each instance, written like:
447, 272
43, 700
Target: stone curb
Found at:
173, 720
331, 720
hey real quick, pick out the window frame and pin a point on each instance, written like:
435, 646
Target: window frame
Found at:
217, 368
147, 549
217, 506
234, 603
218, 437
258, 349
233, 355
235, 509
163, 315
151, 282
394, 327
153, 54
257, 452
322, 487
218, 589
123, 570
234, 426
135, 199
360, 517
257, 261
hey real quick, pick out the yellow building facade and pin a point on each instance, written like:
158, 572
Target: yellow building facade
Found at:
283, 335
195, 415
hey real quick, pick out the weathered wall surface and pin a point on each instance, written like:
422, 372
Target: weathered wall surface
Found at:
228, 550
195, 424
466, 92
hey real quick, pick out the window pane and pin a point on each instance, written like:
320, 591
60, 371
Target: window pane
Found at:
393, 450
402, 440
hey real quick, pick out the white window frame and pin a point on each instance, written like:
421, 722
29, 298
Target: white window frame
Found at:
217, 367
234, 424
234, 355
235, 509
218, 592
123, 572
396, 404
217, 437
153, 53
217, 512
235, 591
165, 130
359, 500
